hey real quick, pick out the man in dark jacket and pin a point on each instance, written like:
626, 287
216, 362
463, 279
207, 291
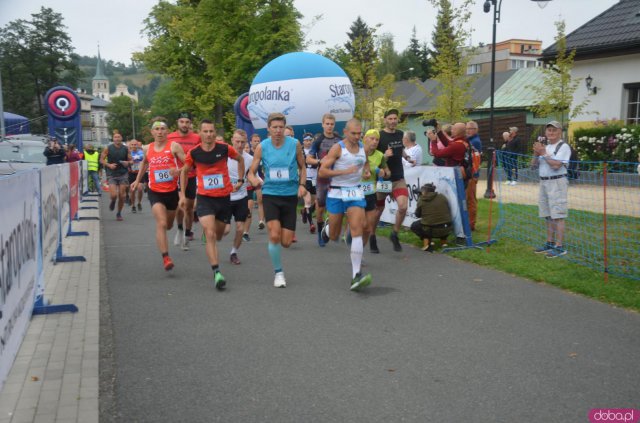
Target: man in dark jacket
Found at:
435, 218
54, 153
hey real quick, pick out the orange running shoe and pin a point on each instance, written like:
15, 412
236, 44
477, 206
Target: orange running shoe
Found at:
168, 263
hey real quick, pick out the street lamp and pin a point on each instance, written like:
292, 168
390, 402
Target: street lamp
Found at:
406, 70
497, 4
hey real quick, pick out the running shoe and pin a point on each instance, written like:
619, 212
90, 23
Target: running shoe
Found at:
188, 235
373, 245
112, 205
177, 240
219, 280
556, 252
321, 241
280, 281
119, 217
312, 228
348, 239
396, 241
325, 234
514, 183
233, 258
360, 281
545, 248
245, 237
184, 244
133, 209
303, 213
168, 263
294, 238
261, 225
139, 207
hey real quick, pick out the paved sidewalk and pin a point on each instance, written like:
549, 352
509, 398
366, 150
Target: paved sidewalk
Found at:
55, 375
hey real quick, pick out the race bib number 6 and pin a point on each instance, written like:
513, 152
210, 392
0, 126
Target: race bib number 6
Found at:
214, 181
384, 186
279, 174
163, 175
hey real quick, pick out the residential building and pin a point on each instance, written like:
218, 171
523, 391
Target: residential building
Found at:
510, 55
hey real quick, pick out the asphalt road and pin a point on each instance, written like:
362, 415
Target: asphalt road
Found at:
433, 339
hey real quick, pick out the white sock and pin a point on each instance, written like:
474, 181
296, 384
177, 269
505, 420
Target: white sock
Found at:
356, 254
234, 250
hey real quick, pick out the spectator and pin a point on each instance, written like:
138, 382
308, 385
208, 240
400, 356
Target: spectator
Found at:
412, 154
93, 167
54, 153
512, 148
73, 155
435, 218
454, 148
551, 160
472, 202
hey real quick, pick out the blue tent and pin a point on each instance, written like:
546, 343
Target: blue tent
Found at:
16, 124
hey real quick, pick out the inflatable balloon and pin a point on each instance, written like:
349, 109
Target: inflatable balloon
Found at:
303, 86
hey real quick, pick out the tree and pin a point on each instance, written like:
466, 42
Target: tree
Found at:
122, 112
416, 56
211, 49
35, 56
389, 58
449, 65
554, 95
363, 57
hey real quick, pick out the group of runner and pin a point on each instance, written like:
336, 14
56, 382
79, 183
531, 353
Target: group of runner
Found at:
344, 174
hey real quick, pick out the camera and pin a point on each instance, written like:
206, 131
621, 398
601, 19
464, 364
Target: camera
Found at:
430, 122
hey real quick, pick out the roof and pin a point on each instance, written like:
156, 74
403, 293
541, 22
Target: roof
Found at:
99, 70
613, 32
516, 91
420, 101
98, 102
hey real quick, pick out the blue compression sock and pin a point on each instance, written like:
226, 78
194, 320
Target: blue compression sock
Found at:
274, 253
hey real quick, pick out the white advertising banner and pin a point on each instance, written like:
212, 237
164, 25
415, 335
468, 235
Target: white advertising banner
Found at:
19, 267
291, 97
444, 178
84, 180
50, 204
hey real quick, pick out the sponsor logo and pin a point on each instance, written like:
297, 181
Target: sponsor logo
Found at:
614, 415
340, 90
270, 94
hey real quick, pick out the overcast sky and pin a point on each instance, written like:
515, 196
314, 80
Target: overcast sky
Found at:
116, 24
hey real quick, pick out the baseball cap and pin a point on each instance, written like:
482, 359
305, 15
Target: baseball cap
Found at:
392, 112
554, 123
185, 115
307, 136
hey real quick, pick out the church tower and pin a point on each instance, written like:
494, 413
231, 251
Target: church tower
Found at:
100, 83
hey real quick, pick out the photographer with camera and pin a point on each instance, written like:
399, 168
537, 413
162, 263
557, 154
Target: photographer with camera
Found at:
435, 217
54, 152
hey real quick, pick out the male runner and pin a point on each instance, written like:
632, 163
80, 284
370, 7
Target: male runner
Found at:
255, 193
115, 159
346, 164
184, 217
239, 199
137, 155
161, 160
319, 149
391, 146
284, 181
214, 187
312, 174
379, 170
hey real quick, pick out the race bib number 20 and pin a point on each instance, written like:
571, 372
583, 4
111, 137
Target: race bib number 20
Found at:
213, 181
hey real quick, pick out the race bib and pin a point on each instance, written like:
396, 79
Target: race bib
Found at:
135, 166
213, 181
352, 193
162, 175
279, 174
367, 188
383, 186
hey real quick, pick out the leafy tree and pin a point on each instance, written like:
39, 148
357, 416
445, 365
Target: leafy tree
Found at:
363, 57
554, 95
416, 56
122, 112
338, 54
389, 58
449, 65
167, 101
35, 56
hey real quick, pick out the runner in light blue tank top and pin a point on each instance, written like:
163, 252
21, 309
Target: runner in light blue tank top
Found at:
280, 167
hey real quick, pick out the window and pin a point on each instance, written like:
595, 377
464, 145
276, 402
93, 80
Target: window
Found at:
633, 104
476, 68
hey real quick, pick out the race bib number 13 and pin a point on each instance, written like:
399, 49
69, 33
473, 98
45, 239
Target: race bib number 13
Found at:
163, 175
214, 181
384, 186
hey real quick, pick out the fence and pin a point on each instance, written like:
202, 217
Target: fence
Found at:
603, 226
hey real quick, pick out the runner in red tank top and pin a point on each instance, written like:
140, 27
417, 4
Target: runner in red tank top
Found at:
160, 158
214, 187
184, 217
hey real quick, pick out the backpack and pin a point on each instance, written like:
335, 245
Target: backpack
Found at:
573, 167
470, 165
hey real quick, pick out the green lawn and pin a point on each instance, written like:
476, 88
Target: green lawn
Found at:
517, 258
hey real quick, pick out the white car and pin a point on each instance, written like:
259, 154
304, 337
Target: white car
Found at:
21, 153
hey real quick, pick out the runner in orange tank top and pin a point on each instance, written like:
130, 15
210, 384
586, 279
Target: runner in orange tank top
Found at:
160, 159
184, 216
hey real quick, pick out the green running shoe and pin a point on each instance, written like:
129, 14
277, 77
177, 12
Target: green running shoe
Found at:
219, 280
360, 281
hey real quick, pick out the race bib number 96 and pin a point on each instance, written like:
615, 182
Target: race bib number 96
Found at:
163, 175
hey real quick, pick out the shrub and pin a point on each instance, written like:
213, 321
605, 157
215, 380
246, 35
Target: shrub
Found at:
615, 142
